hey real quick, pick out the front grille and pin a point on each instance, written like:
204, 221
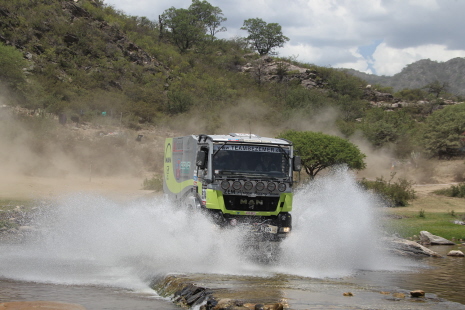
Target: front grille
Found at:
253, 204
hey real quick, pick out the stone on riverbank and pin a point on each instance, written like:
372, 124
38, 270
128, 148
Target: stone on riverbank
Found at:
417, 293
429, 238
406, 247
456, 253
189, 295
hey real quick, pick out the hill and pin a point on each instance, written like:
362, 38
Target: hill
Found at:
95, 69
421, 73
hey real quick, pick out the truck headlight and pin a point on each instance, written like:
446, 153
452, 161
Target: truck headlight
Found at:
260, 186
248, 185
237, 185
271, 186
225, 185
285, 229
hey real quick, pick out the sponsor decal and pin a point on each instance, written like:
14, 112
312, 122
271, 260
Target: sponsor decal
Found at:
168, 153
185, 167
178, 169
251, 148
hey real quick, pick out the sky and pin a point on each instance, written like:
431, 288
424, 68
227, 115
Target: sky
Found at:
374, 36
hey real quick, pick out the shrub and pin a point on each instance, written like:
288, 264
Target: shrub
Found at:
396, 194
453, 191
155, 183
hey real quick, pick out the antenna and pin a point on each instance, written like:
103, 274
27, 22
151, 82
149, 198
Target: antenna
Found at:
250, 131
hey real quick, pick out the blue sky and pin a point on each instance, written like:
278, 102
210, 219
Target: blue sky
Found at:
373, 36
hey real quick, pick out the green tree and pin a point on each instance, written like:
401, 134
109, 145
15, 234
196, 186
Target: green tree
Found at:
436, 88
381, 127
411, 94
210, 16
189, 27
444, 130
185, 29
11, 66
319, 151
264, 37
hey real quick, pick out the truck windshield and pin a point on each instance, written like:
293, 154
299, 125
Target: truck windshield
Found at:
251, 160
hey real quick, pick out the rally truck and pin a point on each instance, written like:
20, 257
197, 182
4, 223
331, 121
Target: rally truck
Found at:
238, 179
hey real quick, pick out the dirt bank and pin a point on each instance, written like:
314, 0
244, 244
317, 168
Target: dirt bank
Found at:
20, 187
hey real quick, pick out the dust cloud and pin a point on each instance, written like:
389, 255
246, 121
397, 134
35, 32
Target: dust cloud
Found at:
39, 156
35, 148
253, 116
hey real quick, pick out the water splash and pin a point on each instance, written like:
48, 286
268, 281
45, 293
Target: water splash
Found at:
336, 229
88, 239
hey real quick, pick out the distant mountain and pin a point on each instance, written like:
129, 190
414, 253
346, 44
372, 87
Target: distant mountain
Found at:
421, 73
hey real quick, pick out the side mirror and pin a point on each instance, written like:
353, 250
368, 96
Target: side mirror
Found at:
297, 163
201, 159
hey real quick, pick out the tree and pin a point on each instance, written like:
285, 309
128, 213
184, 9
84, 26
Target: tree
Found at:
11, 66
263, 36
381, 127
189, 27
210, 16
437, 88
185, 29
319, 151
444, 131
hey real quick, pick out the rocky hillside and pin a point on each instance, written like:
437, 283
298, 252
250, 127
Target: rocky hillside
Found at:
421, 73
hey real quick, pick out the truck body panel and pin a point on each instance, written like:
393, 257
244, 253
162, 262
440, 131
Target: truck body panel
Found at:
236, 178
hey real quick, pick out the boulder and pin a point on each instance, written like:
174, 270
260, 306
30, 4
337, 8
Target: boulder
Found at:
406, 247
429, 238
456, 253
417, 293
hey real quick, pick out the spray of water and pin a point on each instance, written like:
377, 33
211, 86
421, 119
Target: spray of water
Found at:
87, 239
336, 229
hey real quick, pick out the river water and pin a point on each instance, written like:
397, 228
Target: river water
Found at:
103, 254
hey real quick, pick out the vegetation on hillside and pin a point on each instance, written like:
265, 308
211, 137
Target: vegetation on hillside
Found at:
422, 73
394, 193
84, 58
453, 191
319, 151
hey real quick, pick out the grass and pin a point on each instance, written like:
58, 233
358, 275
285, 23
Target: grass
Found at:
432, 213
11, 204
453, 191
8, 210
437, 223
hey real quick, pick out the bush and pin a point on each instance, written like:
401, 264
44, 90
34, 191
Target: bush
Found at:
453, 191
155, 184
396, 194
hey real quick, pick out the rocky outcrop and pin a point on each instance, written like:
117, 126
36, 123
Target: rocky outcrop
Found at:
190, 295
116, 41
410, 248
429, 238
421, 73
266, 69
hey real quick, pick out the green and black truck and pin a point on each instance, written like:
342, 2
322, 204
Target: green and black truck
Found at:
238, 179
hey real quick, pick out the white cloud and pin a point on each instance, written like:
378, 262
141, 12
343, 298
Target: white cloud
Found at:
328, 32
389, 61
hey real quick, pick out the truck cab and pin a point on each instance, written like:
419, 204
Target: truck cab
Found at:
239, 179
